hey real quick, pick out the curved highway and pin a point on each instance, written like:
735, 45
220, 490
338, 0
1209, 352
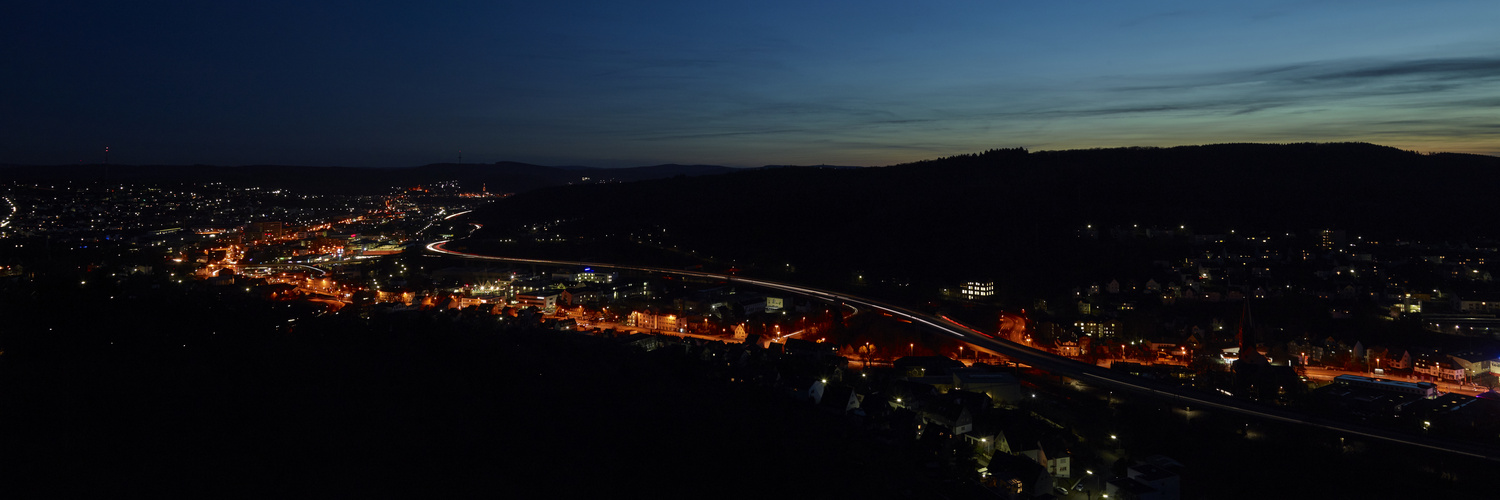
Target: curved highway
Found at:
1084, 372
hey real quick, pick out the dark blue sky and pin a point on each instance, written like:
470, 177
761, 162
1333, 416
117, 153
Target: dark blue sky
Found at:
730, 82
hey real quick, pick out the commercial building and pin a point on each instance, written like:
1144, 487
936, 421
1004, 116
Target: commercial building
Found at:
1423, 389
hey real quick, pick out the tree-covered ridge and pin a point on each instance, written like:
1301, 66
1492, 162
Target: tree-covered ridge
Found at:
500, 177
1012, 213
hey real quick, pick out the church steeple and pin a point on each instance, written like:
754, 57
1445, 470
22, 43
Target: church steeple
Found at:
1246, 338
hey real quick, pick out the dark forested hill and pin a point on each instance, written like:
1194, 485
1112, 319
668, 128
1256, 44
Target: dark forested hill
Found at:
1015, 213
499, 177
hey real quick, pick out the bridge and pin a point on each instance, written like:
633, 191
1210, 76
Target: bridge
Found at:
278, 265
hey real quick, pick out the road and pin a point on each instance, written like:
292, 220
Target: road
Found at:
1320, 373
1084, 372
585, 323
5, 221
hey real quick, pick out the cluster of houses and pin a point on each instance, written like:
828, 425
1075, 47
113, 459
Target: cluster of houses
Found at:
1479, 366
552, 291
1019, 453
1325, 264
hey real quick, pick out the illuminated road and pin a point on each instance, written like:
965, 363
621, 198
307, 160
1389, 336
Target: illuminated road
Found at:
1087, 373
5, 221
1323, 373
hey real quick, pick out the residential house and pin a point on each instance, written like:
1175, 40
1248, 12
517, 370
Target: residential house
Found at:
953, 413
998, 386
987, 439
1014, 477
1069, 348
1439, 368
837, 398
1401, 362
1046, 449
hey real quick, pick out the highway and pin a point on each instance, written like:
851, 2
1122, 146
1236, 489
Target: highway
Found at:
1084, 372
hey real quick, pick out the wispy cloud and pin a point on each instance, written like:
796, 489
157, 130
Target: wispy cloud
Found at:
1364, 77
1444, 89
1434, 69
719, 135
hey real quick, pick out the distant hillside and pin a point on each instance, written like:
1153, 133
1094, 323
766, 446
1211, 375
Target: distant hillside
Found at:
500, 177
1016, 214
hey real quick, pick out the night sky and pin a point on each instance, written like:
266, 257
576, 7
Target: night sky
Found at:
624, 83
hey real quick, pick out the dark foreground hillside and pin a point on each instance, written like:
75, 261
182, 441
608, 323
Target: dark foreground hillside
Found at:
186, 395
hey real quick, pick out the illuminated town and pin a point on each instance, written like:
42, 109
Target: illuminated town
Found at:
1388, 352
